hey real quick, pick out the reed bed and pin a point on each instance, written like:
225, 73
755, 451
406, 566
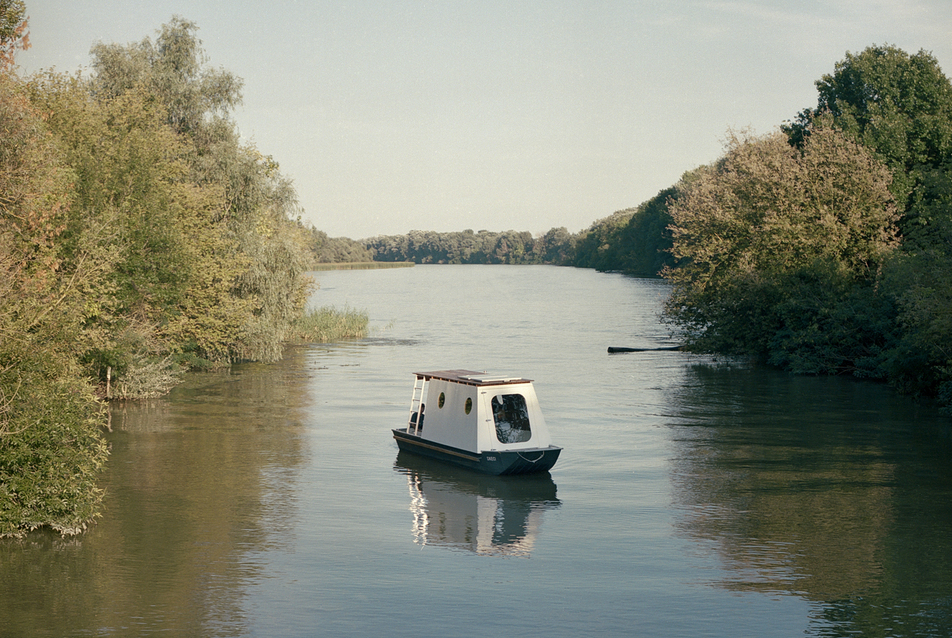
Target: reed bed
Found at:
326, 324
362, 265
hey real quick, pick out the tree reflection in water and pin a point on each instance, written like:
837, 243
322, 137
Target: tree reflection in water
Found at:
199, 483
826, 488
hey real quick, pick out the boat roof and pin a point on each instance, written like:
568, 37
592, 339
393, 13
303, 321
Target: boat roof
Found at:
472, 377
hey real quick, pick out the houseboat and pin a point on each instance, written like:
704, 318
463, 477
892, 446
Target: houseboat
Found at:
484, 422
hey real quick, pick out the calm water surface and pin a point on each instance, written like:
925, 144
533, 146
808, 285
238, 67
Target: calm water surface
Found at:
693, 498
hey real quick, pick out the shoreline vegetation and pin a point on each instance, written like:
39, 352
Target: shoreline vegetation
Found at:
327, 324
361, 265
142, 238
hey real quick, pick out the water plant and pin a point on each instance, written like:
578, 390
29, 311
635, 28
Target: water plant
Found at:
325, 324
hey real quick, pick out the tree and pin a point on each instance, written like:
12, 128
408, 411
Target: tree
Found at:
429, 247
251, 275
51, 449
768, 221
599, 246
275, 249
326, 250
13, 31
150, 228
896, 104
919, 279
900, 106
645, 242
556, 247
172, 68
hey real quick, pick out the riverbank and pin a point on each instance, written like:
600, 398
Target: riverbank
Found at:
363, 265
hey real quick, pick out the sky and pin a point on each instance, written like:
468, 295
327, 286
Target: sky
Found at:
445, 115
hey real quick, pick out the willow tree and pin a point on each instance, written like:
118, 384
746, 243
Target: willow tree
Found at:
261, 204
172, 68
260, 247
136, 210
770, 239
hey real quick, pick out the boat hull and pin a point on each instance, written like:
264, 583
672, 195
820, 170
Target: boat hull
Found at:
495, 462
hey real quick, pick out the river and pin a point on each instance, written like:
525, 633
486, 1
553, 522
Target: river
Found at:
694, 496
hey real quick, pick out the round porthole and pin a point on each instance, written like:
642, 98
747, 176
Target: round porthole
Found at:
469, 406
442, 400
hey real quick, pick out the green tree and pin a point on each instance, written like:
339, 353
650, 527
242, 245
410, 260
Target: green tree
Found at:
767, 224
919, 278
896, 104
556, 247
328, 250
900, 106
600, 245
137, 210
196, 99
645, 242
275, 248
51, 449
467, 247
261, 249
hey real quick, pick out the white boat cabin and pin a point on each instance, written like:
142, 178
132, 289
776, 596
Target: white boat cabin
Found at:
476, 411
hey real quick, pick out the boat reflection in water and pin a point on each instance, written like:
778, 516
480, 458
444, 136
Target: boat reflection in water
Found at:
489, 515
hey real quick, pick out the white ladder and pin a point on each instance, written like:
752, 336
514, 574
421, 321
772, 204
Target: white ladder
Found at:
419, 391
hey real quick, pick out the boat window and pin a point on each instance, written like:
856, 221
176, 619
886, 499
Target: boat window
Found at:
469, 406
511, 417
442, 400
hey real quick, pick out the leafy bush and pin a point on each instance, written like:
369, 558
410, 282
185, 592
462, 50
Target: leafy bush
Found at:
51, 452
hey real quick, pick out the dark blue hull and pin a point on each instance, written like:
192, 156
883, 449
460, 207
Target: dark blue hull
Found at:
496, 462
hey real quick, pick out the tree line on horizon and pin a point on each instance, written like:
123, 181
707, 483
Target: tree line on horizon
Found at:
468, 247
634, 241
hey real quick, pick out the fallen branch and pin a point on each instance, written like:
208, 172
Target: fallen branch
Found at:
618, 350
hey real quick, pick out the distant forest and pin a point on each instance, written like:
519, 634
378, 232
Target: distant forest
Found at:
635, 241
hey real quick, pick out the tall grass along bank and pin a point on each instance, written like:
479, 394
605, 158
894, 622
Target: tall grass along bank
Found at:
325, 324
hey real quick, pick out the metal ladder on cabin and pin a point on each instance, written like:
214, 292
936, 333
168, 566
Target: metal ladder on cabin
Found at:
416, 400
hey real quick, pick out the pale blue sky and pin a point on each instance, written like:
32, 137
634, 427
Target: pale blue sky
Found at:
500, 114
